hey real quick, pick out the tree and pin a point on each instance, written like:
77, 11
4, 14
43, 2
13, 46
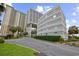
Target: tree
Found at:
16, 31
19, 29
0, 22
73, 30
25, 33
13, 29
33, 32
2, 8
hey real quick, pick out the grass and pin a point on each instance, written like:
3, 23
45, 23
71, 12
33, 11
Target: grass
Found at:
15, 50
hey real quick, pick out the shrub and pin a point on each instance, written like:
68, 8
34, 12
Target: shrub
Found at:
49, 38
62, 40
73, 44
1, 40
76, 37
69, 37
8, 36
25, 33
71, 40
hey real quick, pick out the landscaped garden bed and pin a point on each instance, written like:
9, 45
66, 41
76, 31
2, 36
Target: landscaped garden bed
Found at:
49, 38
72, 41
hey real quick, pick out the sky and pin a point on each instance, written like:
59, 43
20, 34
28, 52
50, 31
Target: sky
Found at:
70, 10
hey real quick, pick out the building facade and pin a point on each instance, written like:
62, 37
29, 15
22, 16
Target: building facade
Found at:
12, 18
32, 20
52, 23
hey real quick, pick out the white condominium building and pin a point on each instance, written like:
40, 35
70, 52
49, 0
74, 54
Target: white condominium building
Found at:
33, 16
32, 20
12, 18
52, 23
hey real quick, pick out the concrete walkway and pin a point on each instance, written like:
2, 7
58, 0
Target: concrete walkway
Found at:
47, 48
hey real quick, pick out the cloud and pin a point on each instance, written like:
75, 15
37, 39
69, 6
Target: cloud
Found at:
74, 21
67, 23
47, 8
40, 9
43, 9
10, 4
76, 11
74, 14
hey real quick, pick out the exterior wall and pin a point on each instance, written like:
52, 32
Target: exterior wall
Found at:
22, 21
25, 24
52, 23
17, 19
32, 18
13, 18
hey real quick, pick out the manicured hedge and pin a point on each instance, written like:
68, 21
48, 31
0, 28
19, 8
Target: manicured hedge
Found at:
49, 38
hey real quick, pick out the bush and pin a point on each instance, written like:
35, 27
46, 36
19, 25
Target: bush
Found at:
71, 40
8, 36
69, 37
2, 40
76, 37
25, 33
49, 38
73, 44
62, 40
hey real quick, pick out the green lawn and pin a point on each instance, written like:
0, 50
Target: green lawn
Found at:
15, 50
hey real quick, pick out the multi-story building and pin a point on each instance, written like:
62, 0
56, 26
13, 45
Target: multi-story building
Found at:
52, 23
32, 20
12, 18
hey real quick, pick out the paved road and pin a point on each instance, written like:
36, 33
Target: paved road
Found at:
50, 49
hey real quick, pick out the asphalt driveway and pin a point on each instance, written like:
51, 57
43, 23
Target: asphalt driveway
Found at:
49, 49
